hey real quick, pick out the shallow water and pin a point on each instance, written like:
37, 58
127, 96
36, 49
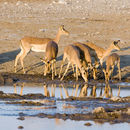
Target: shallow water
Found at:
53, 105
31, 123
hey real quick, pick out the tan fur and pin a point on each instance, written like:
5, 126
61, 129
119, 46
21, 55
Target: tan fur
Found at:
111, 61
100, 53
50, 57
86, 53
36, 44
87, 57
72, 54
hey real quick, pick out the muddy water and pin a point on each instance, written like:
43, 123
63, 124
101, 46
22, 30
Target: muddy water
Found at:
54, 103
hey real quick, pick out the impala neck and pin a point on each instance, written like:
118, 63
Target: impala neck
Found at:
57, 39
107, 68
107, 52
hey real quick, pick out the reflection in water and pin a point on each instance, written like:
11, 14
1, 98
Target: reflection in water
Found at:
55, 105
76, 91
15, 90
46, 92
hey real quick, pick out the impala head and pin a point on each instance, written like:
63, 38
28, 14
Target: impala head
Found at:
84, 74
107, 74
90, 66
63, 31
115, 45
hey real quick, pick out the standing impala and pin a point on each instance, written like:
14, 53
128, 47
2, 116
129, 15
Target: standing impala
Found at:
36, 44
50, 58
112, 60
72, 54
100, 53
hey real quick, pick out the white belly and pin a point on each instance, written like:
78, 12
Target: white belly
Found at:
38, 48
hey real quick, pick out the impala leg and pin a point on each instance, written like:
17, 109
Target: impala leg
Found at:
66, 71
61, 69
76, 73
52, 69
73, 70
119, 69
49, 67
111, 74
72, 67
21, 60
45, 69
94, 73
62, 66
55, 67
16, 60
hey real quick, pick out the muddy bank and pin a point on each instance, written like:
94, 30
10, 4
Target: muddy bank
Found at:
11, 78
118, 115
9, 96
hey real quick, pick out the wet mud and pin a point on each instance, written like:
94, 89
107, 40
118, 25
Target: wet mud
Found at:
11, 78
9, 96
111, 116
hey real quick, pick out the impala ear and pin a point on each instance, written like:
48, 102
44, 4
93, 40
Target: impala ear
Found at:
116, 42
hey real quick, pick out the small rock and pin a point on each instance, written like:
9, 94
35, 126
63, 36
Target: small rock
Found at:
87, 124
115, 99
98, 110
21, 118
20, 127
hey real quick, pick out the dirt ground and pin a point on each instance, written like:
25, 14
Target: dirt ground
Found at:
100, 22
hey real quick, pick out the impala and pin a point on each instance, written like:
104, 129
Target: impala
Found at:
100, 53
112, 60
36, 44
50, 58
72, 54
